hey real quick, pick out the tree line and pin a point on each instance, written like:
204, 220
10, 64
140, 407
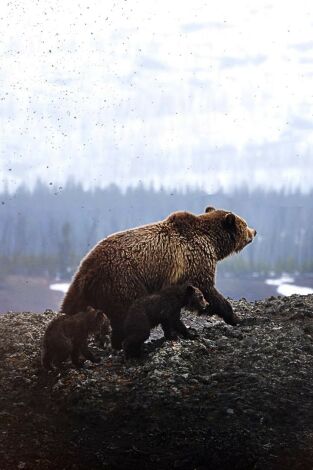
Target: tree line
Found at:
47, 230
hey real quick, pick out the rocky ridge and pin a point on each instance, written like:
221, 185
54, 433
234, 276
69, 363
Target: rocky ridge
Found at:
233, 398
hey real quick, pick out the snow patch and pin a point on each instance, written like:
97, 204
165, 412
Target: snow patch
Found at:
286, 287
60, 287
290, 289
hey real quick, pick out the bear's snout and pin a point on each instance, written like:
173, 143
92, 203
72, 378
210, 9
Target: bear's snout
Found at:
251, 233
204, 307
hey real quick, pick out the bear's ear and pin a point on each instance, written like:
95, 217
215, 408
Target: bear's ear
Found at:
209, 209
100, 315
229, 220
90, 309
189, 290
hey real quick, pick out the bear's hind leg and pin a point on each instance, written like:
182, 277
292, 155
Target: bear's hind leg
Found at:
169, 332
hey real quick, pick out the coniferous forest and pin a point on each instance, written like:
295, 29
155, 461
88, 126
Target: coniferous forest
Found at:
47, 230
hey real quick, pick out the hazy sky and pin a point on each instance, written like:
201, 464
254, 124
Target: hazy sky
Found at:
213, 94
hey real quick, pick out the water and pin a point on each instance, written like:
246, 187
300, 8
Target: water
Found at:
31, 294
256, 288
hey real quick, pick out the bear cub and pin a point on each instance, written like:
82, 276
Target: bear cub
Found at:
160, 308
66, 336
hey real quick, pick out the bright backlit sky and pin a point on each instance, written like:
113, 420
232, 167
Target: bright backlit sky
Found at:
210, 94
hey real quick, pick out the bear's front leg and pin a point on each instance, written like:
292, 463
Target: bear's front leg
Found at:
183, 331
75, 356
218, 305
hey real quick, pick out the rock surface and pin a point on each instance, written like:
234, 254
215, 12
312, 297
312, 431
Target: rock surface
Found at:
233, 398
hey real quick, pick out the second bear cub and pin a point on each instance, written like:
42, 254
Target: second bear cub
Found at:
160, 308
66, 336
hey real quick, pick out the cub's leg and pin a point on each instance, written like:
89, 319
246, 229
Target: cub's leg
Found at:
88, 354
60, 357
137, 331
57, 352
46, 360
183, 331
75, 355
132, 346
169, 331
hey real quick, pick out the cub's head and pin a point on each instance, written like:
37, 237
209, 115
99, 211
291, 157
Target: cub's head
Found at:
195, 299
96, 319
230, 232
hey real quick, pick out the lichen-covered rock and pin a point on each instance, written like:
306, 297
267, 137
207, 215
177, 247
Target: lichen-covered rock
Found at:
233, 398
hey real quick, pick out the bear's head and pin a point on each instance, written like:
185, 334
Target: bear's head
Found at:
95, 318
195, 299
229, 231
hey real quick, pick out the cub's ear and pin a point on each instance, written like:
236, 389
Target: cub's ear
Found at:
189, 290
229, 220
100, 315
90, 309
209, 209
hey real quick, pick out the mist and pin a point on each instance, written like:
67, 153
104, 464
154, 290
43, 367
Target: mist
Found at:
164, 95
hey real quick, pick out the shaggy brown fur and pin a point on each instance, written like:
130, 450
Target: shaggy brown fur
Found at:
128, 265
67, 337
161, 308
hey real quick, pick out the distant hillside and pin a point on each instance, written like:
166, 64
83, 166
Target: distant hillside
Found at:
47, 231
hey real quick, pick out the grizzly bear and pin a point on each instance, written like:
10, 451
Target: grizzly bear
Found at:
67, 337
131, 264
161, 308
